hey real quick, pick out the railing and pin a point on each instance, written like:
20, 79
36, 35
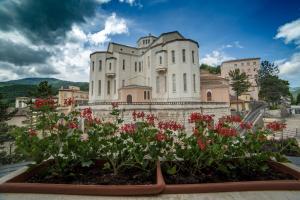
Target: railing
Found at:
154, 103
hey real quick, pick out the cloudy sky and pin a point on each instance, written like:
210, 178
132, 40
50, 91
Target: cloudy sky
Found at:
53, 38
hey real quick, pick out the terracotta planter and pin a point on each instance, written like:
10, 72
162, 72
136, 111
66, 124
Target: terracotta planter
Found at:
240, 186
17, 185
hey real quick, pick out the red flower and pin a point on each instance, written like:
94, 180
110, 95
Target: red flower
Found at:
201, 144
198, 117
69, 101
276, 126
128, 128
196, 132
227, 132
171, 125
138, 115
150, 119
114, 104
246, 125
73, 125
40, 103
32, 132
231, 119
87, 113
160, 136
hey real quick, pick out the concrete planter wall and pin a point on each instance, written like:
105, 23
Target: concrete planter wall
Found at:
17, 184
241, 186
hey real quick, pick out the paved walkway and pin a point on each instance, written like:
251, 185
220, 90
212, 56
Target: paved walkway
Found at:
262, 195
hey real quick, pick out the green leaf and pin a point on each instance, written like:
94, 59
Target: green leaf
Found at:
172, 170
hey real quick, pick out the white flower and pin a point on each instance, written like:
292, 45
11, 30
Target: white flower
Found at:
84, 137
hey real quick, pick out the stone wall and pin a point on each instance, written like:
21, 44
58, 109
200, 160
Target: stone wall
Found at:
177, 112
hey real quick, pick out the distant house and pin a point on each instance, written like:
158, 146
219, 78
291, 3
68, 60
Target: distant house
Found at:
21, 102
214, 88
72, 92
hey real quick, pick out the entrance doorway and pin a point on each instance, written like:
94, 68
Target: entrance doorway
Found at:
129, 98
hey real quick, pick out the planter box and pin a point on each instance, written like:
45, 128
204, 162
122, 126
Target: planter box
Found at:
17, 184
243, 185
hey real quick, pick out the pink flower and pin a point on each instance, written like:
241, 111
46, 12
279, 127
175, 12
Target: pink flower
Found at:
276, 126
84, 137
160, 136
128, 128
73, 125
201, 144
150, 119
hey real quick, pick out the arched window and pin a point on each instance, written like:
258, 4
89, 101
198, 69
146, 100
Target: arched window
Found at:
100, 65
184, 82
209, 96
129, 98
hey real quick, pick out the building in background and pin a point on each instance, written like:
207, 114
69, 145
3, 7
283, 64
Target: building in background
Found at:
72, 92
21, 102
214, 88
164, 68
248, 65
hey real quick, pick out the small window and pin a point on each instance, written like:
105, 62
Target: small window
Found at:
100, 65
108, 87
123, 64
165, 83
160, 60
157, 84
174, 82
99, 87
135, 66
145, 95
194, 82
92, 88
193, 57
115, 86
183, 55
109, 66
148, 94
184, 82
140, 66
173, 56
93, 66
208, 96
148, 61
121, 49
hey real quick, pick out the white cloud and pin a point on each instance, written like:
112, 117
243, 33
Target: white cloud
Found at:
215, 58
290, 66
290, 32
113, 26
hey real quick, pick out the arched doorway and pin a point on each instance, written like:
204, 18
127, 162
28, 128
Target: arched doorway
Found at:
208, 96
129, 98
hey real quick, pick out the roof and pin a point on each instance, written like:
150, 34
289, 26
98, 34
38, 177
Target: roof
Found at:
146, 37
241, 59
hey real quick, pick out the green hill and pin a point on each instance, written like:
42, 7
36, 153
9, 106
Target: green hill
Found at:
21, 87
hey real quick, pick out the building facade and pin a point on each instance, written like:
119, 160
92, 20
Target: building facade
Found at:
213, 87
73, 92
164, 68
248, 65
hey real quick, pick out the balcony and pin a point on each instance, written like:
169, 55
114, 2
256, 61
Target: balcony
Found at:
161, 69
110, 74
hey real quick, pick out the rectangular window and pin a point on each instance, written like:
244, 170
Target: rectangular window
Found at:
109, 66
160, 60
183, 55
173, 56
115, 86
123, 64
194, 82
165, 83
140, 66
100, 65
92, 88
193, 57
93, 66
145, 95
108, 87
135, 66
174, 82
148, 94
157, 84
99, 87
184, 82
148, 62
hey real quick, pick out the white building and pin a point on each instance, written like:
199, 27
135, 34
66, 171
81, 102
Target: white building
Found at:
250, 66
21, 102
164, 68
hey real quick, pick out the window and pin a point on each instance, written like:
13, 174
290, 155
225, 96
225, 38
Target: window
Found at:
157, 84
183, 55
109, 66
93, 66
184, 82
193, 57
173, 56
99, 87
208, 96
148, 94
148, 62
123, 83
194, 82
135, 66
145, 95
160, 60
165, 83
92, 88
100, 65
115, 86
123, 64
108, 87
174, 82
140, 66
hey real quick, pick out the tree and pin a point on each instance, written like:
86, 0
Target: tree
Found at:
43, 90
298, 99
211, 69
239, 83
272, 88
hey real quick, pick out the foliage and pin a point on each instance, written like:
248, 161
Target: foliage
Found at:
289, 147
211, 69
298, 99
239, 83
272, 88
43, 90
